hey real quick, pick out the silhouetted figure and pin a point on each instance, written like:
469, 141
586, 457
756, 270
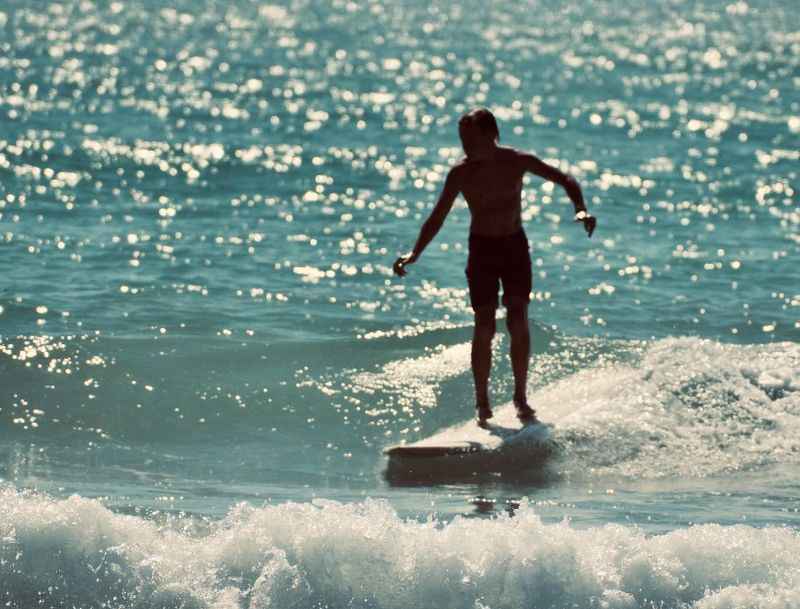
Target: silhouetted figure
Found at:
490, 179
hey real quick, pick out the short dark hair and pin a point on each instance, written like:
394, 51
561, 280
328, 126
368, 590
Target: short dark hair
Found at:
483, 119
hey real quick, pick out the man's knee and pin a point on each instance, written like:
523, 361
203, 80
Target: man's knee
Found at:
517, 318
485, 322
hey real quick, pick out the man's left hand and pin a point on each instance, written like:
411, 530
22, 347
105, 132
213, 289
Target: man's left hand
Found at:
588, 220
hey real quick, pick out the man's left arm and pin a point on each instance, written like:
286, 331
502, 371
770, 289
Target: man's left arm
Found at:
567, 182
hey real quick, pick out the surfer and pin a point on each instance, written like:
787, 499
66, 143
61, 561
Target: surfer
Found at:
490, 179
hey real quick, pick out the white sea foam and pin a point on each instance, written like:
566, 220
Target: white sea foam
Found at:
688, 407
75, 552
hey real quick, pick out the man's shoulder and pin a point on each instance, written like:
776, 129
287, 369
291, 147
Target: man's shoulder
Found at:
459, 170
503, 153
515, 153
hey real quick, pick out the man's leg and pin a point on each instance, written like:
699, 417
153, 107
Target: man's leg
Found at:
482, 353
517, 323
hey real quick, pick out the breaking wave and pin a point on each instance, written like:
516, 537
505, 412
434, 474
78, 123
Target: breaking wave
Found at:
76, 552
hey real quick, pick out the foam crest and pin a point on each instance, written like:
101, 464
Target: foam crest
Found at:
687, 407
419, 376
77, 552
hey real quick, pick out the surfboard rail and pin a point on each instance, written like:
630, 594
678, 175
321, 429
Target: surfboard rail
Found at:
428, 451
467, 450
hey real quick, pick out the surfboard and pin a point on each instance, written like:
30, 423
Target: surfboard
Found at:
503, 444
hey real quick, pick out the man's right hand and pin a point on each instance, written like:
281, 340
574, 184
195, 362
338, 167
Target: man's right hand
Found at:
400, 264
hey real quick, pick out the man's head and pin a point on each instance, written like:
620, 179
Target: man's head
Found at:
478, 131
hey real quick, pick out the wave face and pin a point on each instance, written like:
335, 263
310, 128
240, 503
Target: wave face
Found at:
75, 552
673, 408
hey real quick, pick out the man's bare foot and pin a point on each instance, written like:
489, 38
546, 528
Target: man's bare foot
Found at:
484, 413
525, 413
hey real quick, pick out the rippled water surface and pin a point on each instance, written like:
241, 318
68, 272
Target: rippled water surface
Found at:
217, 165
200, 203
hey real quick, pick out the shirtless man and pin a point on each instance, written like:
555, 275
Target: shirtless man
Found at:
490, 179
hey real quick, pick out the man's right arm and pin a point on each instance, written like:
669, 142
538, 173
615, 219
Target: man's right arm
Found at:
434, 222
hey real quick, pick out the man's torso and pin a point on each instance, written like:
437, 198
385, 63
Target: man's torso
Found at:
492, 188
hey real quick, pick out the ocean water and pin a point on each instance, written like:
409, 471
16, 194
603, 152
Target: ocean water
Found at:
203, 351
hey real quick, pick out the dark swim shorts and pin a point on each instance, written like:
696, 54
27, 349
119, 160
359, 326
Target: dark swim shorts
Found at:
495, 259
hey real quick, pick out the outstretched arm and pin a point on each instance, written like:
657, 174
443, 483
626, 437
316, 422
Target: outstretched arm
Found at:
432, 225
567, 182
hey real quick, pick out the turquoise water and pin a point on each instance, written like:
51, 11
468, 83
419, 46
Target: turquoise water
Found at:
203, 351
